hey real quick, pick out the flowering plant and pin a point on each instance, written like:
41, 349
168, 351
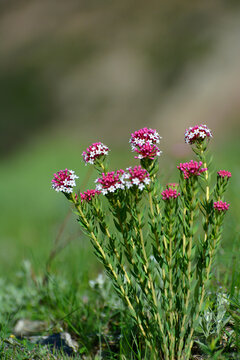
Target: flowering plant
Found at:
157, 244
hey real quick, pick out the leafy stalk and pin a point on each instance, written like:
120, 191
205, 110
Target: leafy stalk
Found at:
189, 190
215, 238
130, 248
138, 228
200, 151
109, 267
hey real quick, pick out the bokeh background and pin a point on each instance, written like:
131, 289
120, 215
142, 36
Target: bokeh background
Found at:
73, 72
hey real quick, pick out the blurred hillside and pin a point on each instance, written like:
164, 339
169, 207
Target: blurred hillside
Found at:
91, 68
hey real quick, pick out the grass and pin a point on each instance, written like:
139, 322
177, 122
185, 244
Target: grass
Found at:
95, 317
30, 222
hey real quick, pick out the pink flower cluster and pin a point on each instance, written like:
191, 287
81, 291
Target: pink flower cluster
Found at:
147, 150
121, 179
192, 168
110, 182
224, 173
197, 133
170, 193
64, 181
89, 195
221, 206
95, 151
144, 142
135, 176
143, 135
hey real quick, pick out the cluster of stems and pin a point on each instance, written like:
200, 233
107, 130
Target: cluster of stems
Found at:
159, 251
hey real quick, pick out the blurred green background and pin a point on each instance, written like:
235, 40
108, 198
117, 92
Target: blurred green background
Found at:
73, 72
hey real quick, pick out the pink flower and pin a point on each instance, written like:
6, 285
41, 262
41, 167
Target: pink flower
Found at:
169, 193
135, 176
64, 181
89, 195
110, 182
147, 150
197, 133
221, 206
224, 173
95, 151
144, 142
140, 137
193, 168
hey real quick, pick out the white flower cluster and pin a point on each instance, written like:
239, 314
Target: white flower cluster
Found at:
64, 181
128, 181
197, 132
94, 151
109, 182
112, 181
143, 136
110, 189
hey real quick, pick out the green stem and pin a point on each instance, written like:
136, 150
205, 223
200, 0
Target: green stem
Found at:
184, 236
172, 337
207, 200
153, 218
207, 191
110, 267
125, 274
150, 284
157, 237
208, 270
117, 256
189, 270
129, 250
